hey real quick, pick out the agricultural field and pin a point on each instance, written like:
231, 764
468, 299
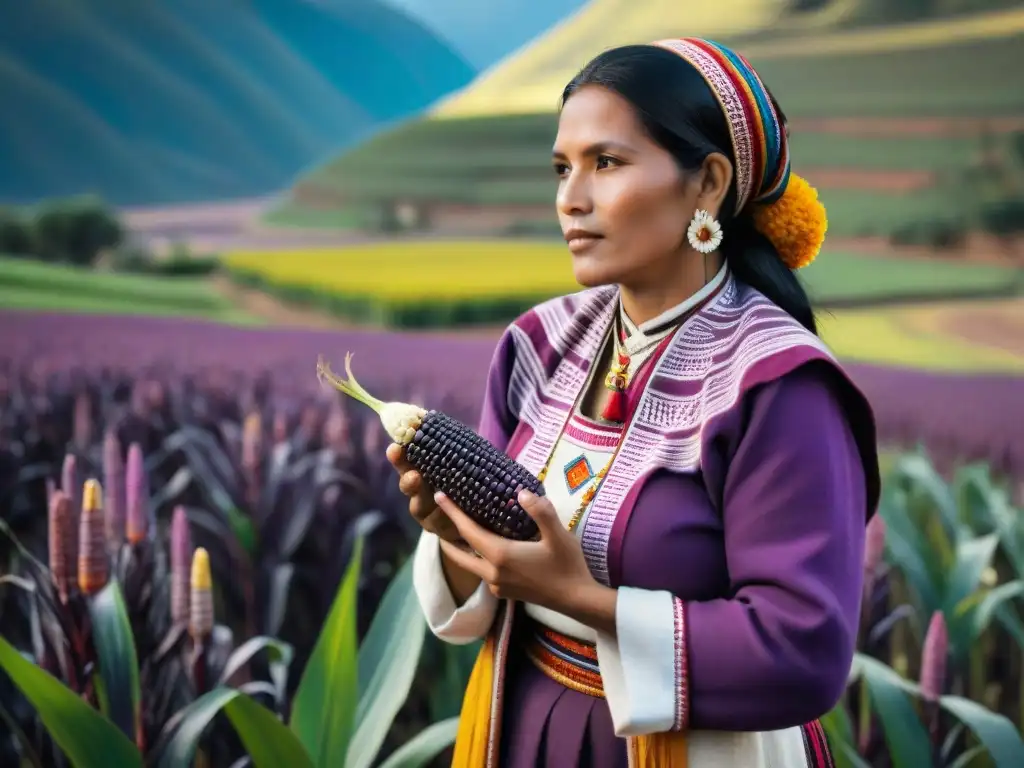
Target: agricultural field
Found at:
402, 272
217, 452
486, 149
35, 285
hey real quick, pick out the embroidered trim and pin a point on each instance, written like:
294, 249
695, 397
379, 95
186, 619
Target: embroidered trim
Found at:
576, 473
682, 666
732, 104
699, 377
566, 661
588, 435
816, 748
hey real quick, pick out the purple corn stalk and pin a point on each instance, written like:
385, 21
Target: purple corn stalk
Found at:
933, 672
874, 549
82, 427
933, 658
139, 405
181, 563
280, 428
337, 431
200, 624
113, 481
252, 453
62, 552
136, 495
309, 421
73, 490
93, 567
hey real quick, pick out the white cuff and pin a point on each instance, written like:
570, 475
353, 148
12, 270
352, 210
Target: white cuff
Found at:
458, 625
638, 667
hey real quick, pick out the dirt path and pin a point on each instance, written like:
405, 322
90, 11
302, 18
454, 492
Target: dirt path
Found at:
872, 180
978, 249
995, 324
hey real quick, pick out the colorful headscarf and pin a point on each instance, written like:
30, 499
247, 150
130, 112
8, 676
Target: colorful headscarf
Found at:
784, 206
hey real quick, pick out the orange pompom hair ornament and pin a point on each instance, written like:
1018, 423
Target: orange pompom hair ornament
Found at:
795, 223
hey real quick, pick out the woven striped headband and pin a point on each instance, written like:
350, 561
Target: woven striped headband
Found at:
758, 139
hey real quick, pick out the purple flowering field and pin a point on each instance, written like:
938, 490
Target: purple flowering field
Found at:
957, 416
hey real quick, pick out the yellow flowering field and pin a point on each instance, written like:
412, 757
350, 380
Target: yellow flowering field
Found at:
398, 272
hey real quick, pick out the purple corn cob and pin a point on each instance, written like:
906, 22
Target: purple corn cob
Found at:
136, 495
113, 481
62, 552
933, 658
93, 567
181, 563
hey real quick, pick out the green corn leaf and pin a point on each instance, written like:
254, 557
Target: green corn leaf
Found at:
905, 736
990, 604
996, 733
180, 749
118, 663
425, 746
280, 657
919, 473
973, 556
268, 741
907, 550
324, 708
388, 659
87, 738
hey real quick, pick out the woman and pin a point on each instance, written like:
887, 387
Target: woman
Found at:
708, 467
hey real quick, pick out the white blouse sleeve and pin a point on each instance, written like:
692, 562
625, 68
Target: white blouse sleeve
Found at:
640, 667
458, 625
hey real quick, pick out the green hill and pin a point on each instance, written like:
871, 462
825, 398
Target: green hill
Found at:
161, 101
462, 156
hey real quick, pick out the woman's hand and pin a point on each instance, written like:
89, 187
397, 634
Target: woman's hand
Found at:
551, 572
422, 506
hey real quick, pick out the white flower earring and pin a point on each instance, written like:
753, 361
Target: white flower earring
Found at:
705, 233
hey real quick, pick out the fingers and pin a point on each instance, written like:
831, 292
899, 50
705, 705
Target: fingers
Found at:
467, 561
483, 541
396, 455
543, 513
410, 482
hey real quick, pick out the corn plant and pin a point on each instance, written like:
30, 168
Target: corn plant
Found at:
112, 622
938, 677
343, 708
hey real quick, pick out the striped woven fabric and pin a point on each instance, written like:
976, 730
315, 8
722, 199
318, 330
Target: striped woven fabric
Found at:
574, 664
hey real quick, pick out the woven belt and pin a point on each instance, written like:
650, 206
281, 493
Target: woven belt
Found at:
565, 660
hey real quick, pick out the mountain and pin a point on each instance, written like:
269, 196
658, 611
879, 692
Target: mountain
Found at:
486, 32
172, 101
532, 79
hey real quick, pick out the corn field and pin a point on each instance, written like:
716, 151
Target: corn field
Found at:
206, 562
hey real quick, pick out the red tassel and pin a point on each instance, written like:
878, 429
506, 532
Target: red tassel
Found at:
615, 408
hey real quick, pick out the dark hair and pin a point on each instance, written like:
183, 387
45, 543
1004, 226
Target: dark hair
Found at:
680, 112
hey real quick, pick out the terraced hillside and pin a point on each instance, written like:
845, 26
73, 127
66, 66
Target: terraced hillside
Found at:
858, 101
161, 102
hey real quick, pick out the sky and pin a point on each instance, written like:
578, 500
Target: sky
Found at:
485, 31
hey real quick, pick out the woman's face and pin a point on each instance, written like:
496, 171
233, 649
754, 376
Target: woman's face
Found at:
623, 204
